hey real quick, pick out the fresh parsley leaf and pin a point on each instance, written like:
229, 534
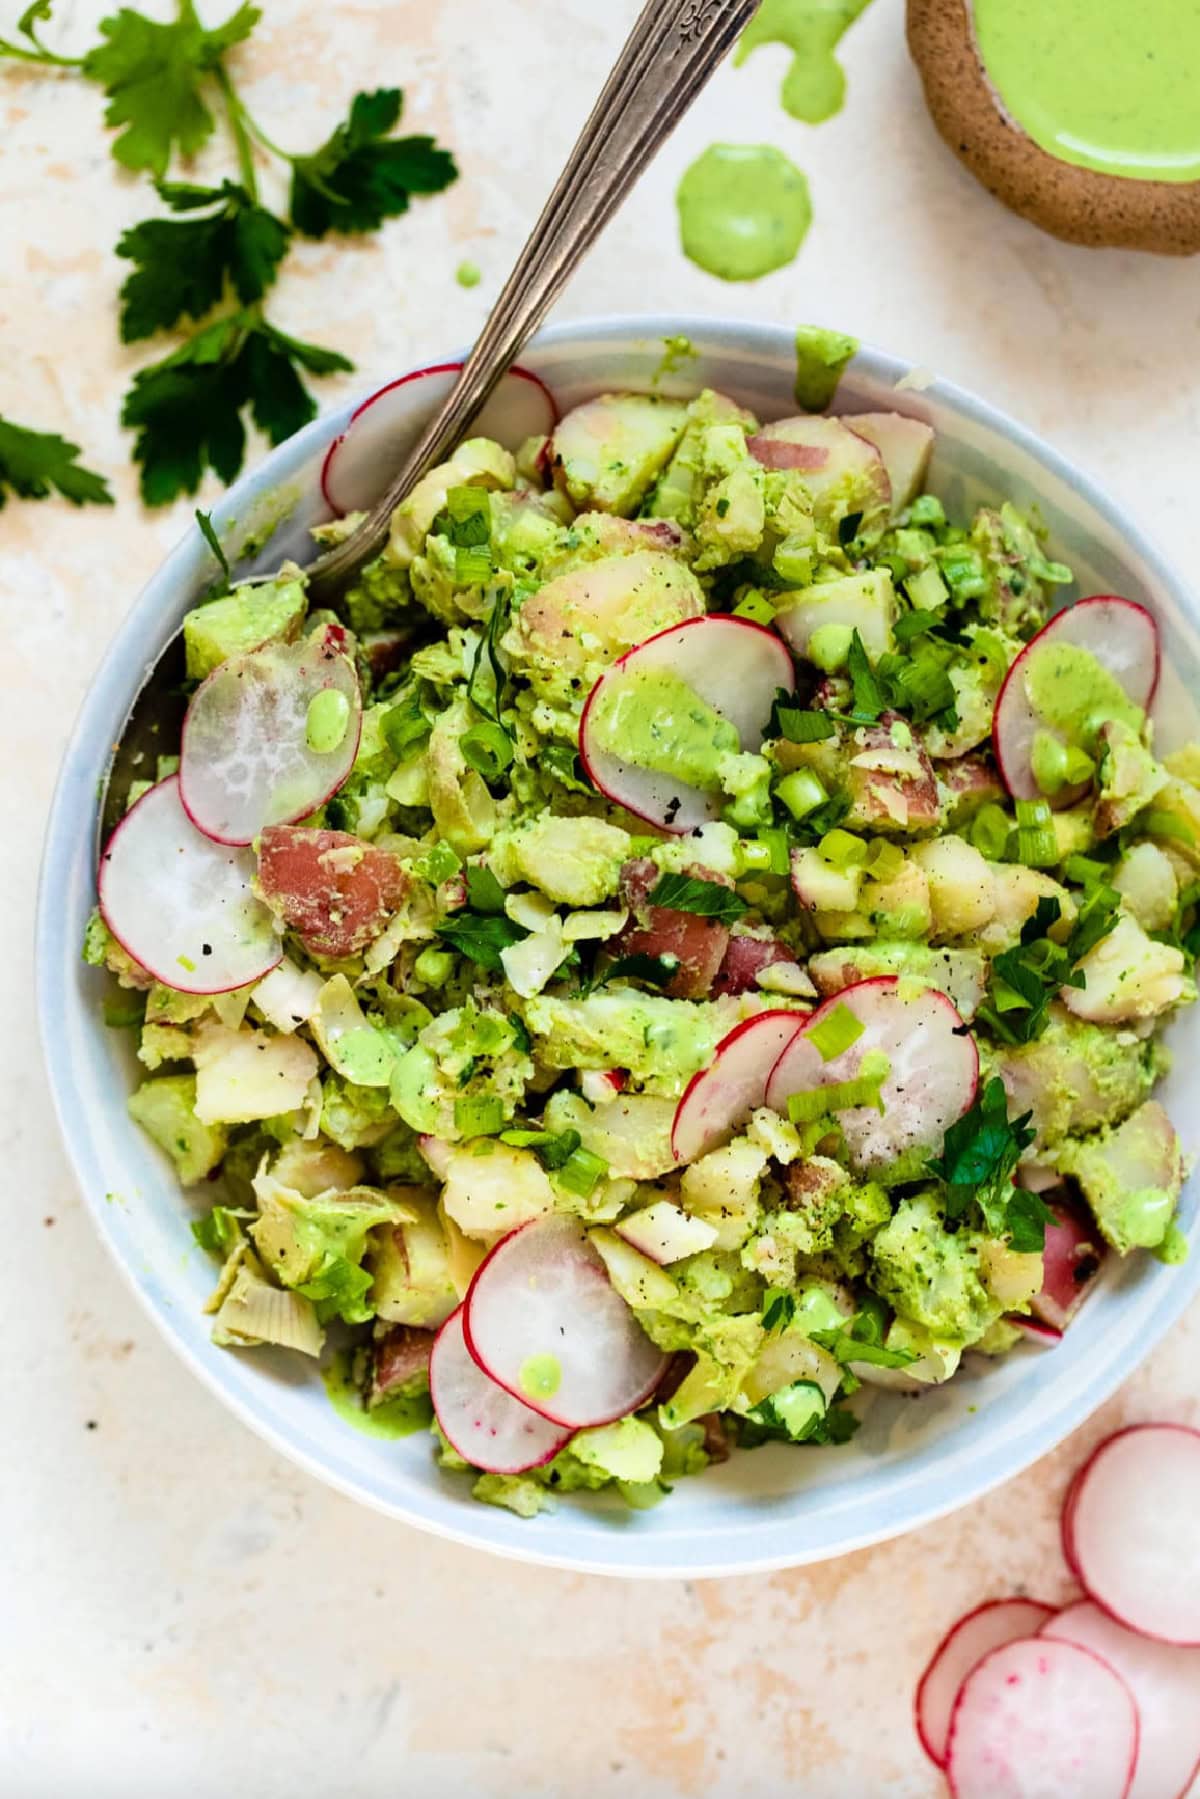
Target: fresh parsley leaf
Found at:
706, 899
979, 1157
1026, 979
860, 1339
183, 265
187, 409
219, 1230
654, 971
917, 623
489, 645
848, 528
1026, 1218
360, 176
869, 698
153, 75
561, 761
798, 726
483, 889
553, 1149
481, 936
779, 1308
34, 462
815, 825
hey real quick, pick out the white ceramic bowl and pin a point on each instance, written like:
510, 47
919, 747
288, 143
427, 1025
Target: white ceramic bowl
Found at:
914, 1459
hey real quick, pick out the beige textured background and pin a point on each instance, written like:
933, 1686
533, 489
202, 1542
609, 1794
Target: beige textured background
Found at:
184, 1613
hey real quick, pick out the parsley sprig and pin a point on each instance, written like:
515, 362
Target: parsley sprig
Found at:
1025, 980
976, 1167
219, 251
34, 462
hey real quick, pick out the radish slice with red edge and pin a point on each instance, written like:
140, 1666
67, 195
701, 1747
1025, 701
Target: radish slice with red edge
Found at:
718, 1098
988, 1627
1133, 1530
735, 666
247, 757
544, 1321
182, 905
1123, 638
933, 1068
1165, 1683
360, 462
487, 1426
1067, 1522
1042, 1720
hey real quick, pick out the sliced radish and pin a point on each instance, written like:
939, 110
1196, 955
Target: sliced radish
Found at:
1042, 1720
1071, 1261
905, 445
835, 461
487, 1426
182, 905
1048, 1336
736, 667
1133, 1530
361, 462
1067, 1523
933, 1075
963, 1647
1123, 638
544, 1320
716, 1100
247, 758
1165, 1683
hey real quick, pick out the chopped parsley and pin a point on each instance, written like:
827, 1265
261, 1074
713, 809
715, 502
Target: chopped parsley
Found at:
976, 1167
706, 899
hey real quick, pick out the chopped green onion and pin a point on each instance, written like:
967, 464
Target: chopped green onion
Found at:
755, 606
472, 566
754, 857
842, 849
480, 1115
1086, 870
962, 567
990, 829
926, 591
793, 560
835, 1033
885, 862
434, 966
776, 840
438, 865
488, 749
801, 792
581, 1171
840, 1096
927, 509
911, 625
1155, 822
403, 727
1034, 842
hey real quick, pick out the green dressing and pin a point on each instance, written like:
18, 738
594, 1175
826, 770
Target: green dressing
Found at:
744, 210
814, 86
1109, 85
397, 1417
540, 1376
655, 720
1075, 694
326, 721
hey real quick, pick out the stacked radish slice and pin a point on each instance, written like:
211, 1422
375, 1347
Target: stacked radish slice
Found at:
542, 1346
1100, 1700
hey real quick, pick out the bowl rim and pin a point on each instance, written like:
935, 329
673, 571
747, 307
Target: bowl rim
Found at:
714, 334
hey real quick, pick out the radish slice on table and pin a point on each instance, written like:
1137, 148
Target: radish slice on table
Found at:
1165, 1683
1133, 1530
721, 1096
905, 445
734, 666
270, 736
1042, 1720
487, 1426
932, 1075
182, 905
543, 1319
1123, 638
360, 462
988, 1627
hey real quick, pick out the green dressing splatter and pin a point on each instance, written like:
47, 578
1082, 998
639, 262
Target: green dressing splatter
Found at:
744, 210
398, 1417
326, 721
468, 274
814, 86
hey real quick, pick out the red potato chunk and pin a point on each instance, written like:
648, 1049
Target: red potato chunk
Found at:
892, 783
1070, 1263
398, 1356
970, 783
699, 944
335, 891
745, 958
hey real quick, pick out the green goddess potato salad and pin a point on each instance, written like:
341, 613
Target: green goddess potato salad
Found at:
688, 940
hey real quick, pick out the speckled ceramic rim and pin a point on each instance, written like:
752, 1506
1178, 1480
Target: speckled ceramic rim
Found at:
914, 1461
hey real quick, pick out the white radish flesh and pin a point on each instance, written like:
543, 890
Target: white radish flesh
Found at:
1165, 1683
1042, 1720
725, 1093
1124, 639
182, 905
734, 666
361, 462
487, 1426
905, 445
933, 1068
247, 758
963, 1647
1133, 1530
543, 1319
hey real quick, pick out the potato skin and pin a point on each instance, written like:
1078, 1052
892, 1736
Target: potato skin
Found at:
1079, 205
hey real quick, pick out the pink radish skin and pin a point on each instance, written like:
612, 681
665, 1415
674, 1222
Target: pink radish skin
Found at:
735, 666
1132, 1523
1067, 1522
182, 905
544, 1293
1043, 1334
934, 1068
964, 1646
1073, 1248
245, 762
828, 451
487, 1426
723, 1095
359, 463
1121, 635
1042, 1720
1165, 1683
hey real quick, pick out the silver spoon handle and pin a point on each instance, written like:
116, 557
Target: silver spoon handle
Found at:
672, 50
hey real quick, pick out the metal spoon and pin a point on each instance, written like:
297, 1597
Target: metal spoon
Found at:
671, 52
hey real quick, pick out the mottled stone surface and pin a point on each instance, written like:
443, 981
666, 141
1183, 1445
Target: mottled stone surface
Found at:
185, 1614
